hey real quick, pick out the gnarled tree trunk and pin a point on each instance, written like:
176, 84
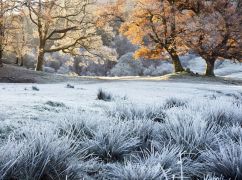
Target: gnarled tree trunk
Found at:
176, 61
40, 60
210, 66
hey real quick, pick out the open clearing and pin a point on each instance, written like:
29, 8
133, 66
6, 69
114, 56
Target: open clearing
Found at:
144, 128
20, 102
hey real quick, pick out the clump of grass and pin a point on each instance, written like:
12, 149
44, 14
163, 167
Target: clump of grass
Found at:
55, 104
70, 86
226, 115
174, 102
188, 131
77, 131
225, 162
145, 130
5, 132
104, 96
112, 144
234, 132
41, 160
35, 88
126, 111
137, 171
41, 157
152, 165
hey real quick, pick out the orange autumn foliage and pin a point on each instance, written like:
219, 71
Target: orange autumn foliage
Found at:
148, 53
152, 25
110, 13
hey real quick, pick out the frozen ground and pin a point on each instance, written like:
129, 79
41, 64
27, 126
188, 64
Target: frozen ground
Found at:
20, 101
151, 129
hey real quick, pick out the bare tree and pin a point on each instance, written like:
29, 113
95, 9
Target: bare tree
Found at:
62, 25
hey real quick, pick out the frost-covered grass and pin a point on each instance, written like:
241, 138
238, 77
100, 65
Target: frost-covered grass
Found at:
189, 137
191, 141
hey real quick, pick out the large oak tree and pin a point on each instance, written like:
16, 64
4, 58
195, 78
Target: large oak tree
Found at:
154, 26
214, 31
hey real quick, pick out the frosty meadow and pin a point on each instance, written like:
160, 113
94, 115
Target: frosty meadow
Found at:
120, 89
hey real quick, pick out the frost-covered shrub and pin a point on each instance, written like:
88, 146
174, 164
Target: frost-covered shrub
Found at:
30, 60
127, 66
225, 162
103, 95
162, 69
63, 70
53, 63
123, 45
186, 59
49, 70
228, 68
87, 67
57, 60
95, 65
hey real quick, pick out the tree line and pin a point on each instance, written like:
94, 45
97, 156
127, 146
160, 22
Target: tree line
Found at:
161, 29
54, 25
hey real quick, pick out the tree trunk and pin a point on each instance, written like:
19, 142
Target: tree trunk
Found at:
40, 61
1, 63
1, 56
21, 61
17, 60
210, 67
176, 61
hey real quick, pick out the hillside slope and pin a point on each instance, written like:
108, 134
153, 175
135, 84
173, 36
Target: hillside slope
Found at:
15, 74
230, 74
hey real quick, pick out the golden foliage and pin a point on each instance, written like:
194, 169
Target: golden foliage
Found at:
110, 12
153, 26
148, 53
